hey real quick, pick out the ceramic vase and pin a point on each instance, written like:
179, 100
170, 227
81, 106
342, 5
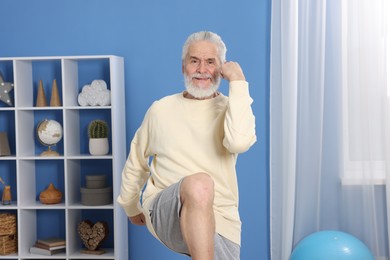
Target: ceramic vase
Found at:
6, 198
51, 195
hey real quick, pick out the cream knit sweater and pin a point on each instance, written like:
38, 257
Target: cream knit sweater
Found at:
186, 136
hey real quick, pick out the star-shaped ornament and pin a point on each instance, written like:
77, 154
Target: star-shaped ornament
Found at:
5, 89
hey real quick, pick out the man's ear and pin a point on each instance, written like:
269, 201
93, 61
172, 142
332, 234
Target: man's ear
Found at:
182, 68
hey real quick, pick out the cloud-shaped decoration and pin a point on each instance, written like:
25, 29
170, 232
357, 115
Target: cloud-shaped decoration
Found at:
95, 94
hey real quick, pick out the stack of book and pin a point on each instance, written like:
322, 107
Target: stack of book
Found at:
49, 246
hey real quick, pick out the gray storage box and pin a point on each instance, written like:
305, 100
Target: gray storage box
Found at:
96, 197
95, 181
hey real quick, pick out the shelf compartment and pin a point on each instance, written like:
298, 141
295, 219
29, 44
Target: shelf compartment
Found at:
76, 125
77, 171
8, 174
74, 217
28, 74
30, 171
53, 222
78, 73
46, 71
27, 122
40, 116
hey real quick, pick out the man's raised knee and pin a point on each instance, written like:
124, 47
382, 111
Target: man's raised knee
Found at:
198, 187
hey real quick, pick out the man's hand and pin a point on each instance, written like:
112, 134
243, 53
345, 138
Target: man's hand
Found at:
138, 220
232, 71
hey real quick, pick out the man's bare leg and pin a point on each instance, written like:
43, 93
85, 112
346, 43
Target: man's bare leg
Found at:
197, 216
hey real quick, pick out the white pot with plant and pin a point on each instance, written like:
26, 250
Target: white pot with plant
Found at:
98, 137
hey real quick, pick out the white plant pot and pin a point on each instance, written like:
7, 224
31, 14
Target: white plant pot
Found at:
98, 146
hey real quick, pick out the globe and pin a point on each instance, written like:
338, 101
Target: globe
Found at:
49, 133
327, 245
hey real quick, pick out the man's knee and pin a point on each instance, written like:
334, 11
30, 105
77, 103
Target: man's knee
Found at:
198, 188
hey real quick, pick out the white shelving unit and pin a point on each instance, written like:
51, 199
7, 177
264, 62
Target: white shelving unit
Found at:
28, 173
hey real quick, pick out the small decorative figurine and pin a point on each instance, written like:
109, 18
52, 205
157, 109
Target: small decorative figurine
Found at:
95, 94
5, 88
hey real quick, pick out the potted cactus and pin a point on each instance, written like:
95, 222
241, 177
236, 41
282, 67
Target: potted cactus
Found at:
98, 137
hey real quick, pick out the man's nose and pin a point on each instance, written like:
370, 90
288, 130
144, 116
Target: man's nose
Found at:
202, 67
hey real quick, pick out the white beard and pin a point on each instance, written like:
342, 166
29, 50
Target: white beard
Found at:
198, 92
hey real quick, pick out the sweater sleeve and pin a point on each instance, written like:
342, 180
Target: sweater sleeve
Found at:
135, 172
239, 125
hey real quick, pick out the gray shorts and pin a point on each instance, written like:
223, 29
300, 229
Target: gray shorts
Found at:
165, 217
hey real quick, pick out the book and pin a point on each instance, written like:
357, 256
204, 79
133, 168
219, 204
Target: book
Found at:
41, 251
52, 241
48, 247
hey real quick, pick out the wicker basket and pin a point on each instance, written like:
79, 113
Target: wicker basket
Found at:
8, 244
7, 224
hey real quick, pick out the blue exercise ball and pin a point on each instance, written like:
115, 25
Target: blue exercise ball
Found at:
331, 245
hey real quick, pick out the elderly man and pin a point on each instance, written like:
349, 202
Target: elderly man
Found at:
190, 201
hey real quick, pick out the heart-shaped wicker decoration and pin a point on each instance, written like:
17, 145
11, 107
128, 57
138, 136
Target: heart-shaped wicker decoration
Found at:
91, 234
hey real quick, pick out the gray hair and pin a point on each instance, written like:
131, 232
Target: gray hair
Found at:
205, 36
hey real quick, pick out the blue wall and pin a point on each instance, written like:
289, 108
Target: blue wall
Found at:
149, 35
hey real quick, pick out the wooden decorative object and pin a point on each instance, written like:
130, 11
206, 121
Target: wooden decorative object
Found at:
51, 195
55, 96
41, 97
4, 144
92, 235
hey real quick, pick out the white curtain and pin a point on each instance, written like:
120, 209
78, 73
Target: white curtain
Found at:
329, 122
